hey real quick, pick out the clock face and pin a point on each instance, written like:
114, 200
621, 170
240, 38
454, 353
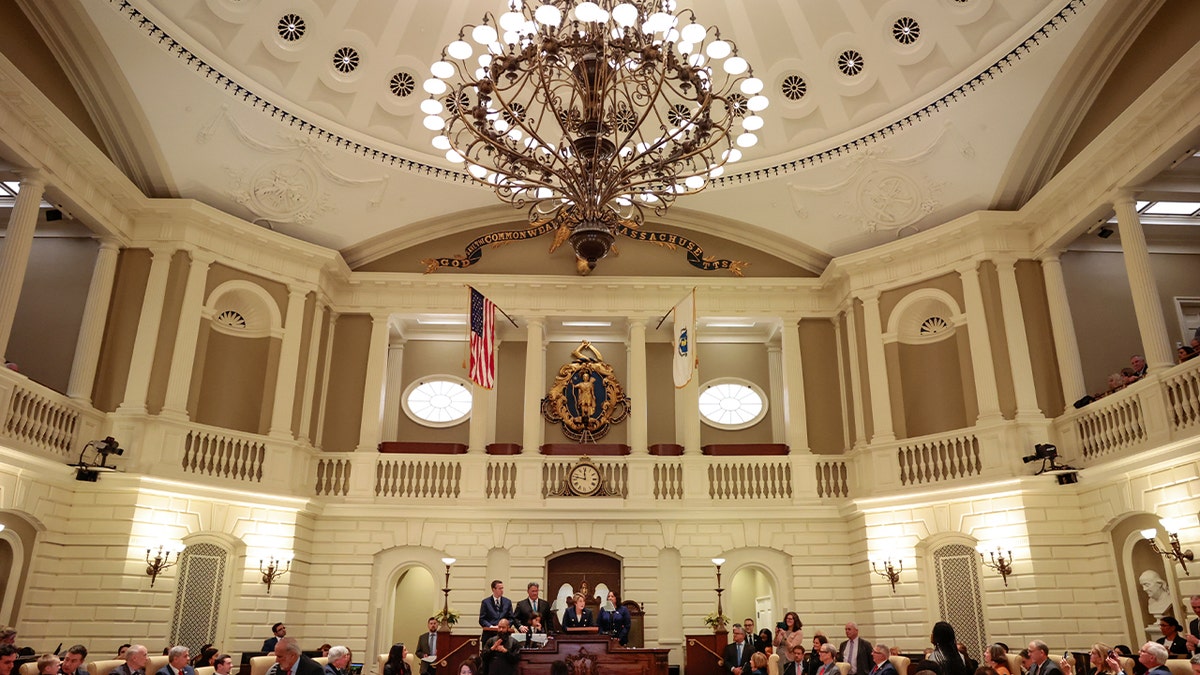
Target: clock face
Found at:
584, 479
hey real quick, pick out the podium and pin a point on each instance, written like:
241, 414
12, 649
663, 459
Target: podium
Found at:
592, 654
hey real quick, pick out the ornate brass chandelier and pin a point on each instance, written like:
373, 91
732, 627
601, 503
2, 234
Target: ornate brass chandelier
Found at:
589, 114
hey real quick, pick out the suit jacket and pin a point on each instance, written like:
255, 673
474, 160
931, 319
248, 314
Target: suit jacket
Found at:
1159, 670
885, 668
1049, 667
570, 620
828, 669
423, 650
489, 615
166, 670
1177, 648
617, 623
862, 658
501, 663
123, 669
729, 656
793, 668
525, 609
269, 644
331, 670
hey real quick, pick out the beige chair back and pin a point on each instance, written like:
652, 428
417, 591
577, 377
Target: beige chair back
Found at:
322, 661
773, 665
900, 663
206, 670
1180, 666
414, 664
1014, 663
259, 665
29, 668
103, 667
1127, 664
156, 664
843, 667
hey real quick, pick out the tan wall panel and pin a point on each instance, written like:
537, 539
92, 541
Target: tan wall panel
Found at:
318, 397
310, 306
891, 356
1175, 275
660, 393
510, 393
46, 325
1047, 380
614, 353
168, 327
966, 375
120, 328
932, 386
232, 392
347, 379
746, 362
1102, 309
818, 351
989, 284
423, 359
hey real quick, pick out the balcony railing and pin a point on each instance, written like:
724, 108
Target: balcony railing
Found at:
42, 421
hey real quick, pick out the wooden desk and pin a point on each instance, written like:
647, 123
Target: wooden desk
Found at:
592, 655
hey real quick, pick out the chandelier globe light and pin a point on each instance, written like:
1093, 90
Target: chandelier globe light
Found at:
590, 114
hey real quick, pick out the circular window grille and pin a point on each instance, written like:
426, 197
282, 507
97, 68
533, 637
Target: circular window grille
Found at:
850, 62
624, 119
291, 27
440, 401
345, 60
732, 404
232, 319
934, 325
794, 87
906, 30
737, 105
402, 84
515, 113
678, 114
456, 103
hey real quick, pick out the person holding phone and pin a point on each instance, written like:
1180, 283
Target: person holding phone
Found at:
1103, 659
788, 636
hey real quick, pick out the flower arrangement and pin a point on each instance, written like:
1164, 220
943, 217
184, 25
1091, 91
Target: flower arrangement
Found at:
716, 621
448, 617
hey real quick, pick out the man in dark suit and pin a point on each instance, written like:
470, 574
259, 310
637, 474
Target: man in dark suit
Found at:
427, 646
1193, 636
533, 605
177, 662
495, 607
72, 662
855, 651
736, 657
1154, 656
135, 661
277, 631
501, 653
339, 660
883, 666
796, 665
1040, 661
290, 661
828, 656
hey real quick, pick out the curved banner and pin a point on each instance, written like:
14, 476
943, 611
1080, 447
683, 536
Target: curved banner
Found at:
474, 250
695, 253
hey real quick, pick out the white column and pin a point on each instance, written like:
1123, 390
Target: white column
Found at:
1019, 359
393, 390
795, 424
687, 415
1066, 345
775, 366
856, 397
14, 256
981, 345
289, 365
183, 357
310, 371
372, 407
91, 330
145, 343
323, 389
881, 395
1146, 307
532, 428
638, 388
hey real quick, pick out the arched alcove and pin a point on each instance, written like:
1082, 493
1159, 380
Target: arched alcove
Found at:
932, 361
17, 539
1143, 576
754, 588
568, 571
398, 574
414, 587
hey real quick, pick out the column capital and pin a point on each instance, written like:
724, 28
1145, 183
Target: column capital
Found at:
1004, 260
110, 244
966, 267
868, 294
638, 321
1052, 257
32, 178
534, 321
380, 317
1123, 198
301, 289
162, 250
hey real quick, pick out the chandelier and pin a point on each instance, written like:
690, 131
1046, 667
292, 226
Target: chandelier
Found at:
591, 114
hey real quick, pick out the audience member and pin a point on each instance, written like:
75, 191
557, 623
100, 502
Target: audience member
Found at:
996, 656
1196, 664
1138, 364
798, 664
222, 664
467, 669
758, 663
177, 662
72, 660
47, 664
290, 660
812, 663
8, 658
1193, 636
501, 653
136, 659
945, 654
121, 650
557, 668
339, 660
395, 664
972, 664
828, 656
1185, 353
1154, 656
855, 651
427, 645
1175, 643
278, 632
879, 655
324, 649
1039, 658
788, 636
762, 643
205, 657
736, 656
1101, 664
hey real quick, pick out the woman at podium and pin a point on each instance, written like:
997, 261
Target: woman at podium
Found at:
615, 622
578, 616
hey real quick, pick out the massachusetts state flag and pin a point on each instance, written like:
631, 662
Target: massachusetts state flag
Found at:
684, 361
483, 340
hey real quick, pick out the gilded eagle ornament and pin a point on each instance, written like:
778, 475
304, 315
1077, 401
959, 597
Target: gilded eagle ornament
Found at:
586, 397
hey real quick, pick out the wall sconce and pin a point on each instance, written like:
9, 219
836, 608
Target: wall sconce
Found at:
892, 574
1176, 553
445, 623
720, 612
273, 571
161, 563
998, 563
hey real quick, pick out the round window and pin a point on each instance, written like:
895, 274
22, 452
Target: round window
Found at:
440, 401
730, 403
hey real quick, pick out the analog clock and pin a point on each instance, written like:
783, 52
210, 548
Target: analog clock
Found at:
584, 479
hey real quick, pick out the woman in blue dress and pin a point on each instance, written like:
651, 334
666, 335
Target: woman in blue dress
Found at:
616, 622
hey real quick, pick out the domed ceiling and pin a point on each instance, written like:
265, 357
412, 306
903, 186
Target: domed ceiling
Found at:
886, 117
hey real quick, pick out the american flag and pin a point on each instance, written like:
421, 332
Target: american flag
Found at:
483, 340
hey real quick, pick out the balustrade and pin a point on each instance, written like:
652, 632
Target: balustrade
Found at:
938, 458
43, 421
223, 454
421, 479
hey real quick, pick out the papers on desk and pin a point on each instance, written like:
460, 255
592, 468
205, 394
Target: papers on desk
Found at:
538, 639
430, 659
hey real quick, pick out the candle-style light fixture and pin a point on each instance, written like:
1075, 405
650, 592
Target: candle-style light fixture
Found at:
1175, 553
999, 563
889, 572
275, 569
720, 612
445, 623
161, 563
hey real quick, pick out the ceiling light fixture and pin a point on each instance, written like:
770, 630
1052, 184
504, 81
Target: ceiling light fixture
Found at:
590, 113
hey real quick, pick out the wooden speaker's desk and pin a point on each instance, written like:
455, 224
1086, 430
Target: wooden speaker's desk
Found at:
591, 654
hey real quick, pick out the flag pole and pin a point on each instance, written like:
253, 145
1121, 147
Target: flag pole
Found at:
498, 308
664, 316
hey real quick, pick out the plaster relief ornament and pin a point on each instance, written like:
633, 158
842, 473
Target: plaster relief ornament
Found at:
586, 397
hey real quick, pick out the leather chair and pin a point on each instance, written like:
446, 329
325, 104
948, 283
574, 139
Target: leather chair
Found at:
1014, 663
414, 664
103, 667
843, 667
900, 663
1179, 666
1127, 664
29, 668
773, 667
259, 665
156, 664
206, 670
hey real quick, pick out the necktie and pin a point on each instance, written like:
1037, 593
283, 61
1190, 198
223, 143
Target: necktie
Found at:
739, 654
497, 603
433, 643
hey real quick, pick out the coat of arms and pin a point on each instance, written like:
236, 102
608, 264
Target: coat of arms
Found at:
586, 396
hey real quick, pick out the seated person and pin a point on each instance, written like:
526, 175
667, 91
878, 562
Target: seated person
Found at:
1185, 353
758, 664
47, 664
578, 616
